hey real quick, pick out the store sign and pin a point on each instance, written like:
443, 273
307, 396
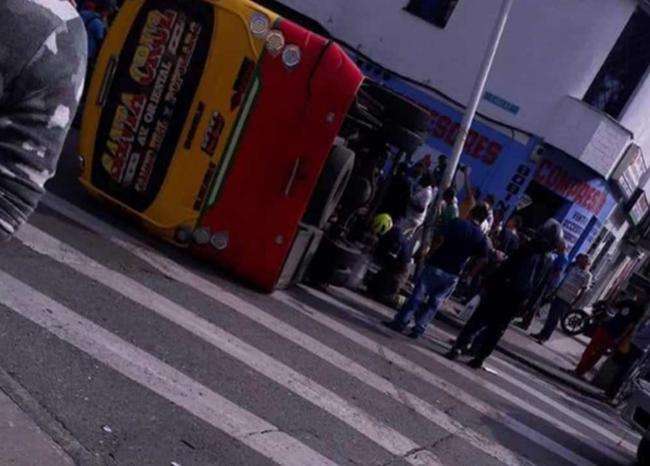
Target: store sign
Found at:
588, 201
501, 102
630, 172
605, 146
574, 226
478, 145
561, 181
639, 208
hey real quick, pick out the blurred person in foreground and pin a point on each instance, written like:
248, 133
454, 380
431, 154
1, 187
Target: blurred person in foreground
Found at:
42, 69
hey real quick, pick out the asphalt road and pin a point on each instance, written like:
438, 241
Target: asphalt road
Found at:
147, 357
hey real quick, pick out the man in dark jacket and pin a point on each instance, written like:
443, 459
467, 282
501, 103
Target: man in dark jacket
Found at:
505, 293
42, 69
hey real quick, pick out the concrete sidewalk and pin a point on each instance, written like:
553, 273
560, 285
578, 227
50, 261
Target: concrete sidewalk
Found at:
556, 359
22, 442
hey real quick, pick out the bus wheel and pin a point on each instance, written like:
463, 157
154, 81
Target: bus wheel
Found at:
330, 187
403, 138
334, 262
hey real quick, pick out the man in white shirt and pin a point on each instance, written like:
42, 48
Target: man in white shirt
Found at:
418, 206
577, 281
489, 222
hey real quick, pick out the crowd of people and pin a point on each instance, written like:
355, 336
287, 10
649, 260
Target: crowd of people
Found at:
471, 248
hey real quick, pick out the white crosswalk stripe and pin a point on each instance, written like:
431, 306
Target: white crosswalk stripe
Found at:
372, 428
621, 442
460, 394
157, 376
518, 401
599, 413
594, 426
338, 360
347, 365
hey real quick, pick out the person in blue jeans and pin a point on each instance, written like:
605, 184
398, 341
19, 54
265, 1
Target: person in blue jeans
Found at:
454, 244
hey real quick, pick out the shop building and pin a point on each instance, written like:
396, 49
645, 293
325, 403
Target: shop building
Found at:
619, 261
565, 104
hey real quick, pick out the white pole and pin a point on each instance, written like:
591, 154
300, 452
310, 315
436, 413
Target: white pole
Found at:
477, 94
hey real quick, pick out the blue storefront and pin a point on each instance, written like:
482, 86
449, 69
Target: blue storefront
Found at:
503, 163
577, 197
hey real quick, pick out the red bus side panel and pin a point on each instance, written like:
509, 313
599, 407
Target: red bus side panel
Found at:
288, 136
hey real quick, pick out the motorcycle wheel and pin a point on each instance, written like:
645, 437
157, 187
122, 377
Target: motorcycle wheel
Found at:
574, 322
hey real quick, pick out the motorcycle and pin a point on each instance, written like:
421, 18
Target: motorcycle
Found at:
585, 321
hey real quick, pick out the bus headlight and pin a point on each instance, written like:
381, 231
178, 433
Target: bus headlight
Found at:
220, 240
291, 56
259, 25
201, 236
274, 42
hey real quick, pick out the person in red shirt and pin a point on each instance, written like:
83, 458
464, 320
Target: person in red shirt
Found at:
612, 332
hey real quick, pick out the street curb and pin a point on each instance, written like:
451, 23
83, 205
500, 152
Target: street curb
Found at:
555, 373
46, 422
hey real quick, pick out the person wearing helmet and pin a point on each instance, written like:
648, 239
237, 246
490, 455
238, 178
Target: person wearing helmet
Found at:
505, 292
451, 248
382, 224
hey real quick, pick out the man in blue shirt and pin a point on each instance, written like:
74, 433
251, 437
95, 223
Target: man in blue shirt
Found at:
451, 248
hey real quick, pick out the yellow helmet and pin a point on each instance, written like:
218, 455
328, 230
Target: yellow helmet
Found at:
382, 224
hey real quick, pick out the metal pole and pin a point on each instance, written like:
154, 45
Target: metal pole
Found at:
477, 94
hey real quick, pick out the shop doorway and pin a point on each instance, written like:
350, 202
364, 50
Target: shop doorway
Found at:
542, 204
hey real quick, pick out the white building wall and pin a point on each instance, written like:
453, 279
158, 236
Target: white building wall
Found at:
551, 49
636, 115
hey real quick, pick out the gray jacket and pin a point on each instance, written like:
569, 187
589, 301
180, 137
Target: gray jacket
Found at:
42, 70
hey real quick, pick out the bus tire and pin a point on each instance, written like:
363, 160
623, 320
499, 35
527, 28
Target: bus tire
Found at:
334, 261
403, 138
398, 108
330, 187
